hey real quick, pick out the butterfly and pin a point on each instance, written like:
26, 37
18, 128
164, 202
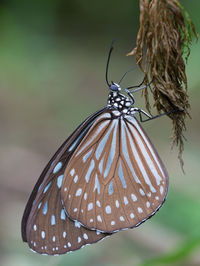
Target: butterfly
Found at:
107, 176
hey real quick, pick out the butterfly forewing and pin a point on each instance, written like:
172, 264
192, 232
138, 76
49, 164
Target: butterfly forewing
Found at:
45, 225
115, 178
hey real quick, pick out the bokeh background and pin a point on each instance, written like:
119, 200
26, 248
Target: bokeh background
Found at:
52, 76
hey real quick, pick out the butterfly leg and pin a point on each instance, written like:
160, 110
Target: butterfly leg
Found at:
138, 88
149, 117
132, 91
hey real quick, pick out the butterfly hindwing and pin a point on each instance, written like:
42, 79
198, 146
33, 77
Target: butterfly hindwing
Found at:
115, 178
49, 230
45, 225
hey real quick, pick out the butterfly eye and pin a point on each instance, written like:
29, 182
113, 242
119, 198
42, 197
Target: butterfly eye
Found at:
115, 87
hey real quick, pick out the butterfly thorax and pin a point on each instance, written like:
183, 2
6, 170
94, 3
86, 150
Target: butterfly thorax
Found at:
120, 102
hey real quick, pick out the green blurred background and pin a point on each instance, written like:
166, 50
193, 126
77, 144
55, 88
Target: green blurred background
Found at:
52, 76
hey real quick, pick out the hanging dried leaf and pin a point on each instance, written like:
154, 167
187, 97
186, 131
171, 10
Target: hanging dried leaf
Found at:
163, 39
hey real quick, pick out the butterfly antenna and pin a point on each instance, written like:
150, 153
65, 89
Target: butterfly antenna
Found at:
125, 74
139, 86
108, 61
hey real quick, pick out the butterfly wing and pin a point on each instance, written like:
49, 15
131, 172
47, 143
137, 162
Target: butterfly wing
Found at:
115, 179
50, 231
45, 225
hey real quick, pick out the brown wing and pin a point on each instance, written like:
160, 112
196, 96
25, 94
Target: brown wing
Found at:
115, 178
49, 230
45, 225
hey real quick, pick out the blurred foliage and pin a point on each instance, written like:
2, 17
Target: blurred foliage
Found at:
177, 256
52, 68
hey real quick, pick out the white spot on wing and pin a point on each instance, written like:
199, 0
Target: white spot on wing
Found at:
142, 192
140, 210
62, 215
121, 218
116, 113
90, 206
101, 166
85, 236
125, 200
161, 190
53, 220
108, 209
85, 196
47, 187
57, 167
148, 204
110, 188
77, 224
98, 203
87, 155
59, 181
121, 175
45, 208
106, 115
117, 203
99, 218
97, 184
78, 192
75, 178
43, 234
90, 169
72, 172
134, 198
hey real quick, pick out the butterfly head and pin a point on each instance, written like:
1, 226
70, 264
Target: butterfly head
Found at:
114, 87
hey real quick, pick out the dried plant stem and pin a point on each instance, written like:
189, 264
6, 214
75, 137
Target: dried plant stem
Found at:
163, 38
